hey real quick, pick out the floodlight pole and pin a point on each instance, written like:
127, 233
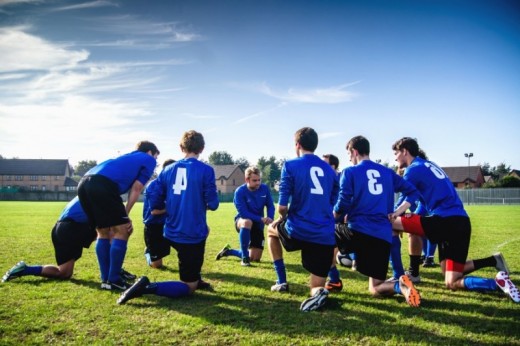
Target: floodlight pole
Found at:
469, 156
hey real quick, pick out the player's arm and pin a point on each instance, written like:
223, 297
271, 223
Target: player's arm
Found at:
133, 195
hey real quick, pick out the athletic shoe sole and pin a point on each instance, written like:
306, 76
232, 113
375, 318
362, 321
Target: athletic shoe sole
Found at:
315, 302
408, 290
222, 252
504, 282
136, 290
280, 287
501, 265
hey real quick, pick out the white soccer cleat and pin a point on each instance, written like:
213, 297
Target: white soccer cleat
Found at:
504, 282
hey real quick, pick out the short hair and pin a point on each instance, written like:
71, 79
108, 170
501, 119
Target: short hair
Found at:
192, 142
168, 162
252, 170
360, 143
307, 137
333, 160
146, 146
409, 144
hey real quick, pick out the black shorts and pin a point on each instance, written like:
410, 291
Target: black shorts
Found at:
69, 238
156, 245
101, 201
191, 259
316, 258
257, 234
372, 254
452, 233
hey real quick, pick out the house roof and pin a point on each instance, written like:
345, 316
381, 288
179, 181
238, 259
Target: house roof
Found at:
33, 167
460, 174
225, 171
70, 182
515, 172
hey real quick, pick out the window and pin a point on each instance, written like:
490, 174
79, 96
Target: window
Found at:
221, 181
70, 188
44, 177
34, 187
44, 187
33, 178
18, 177
8, 177
57, 177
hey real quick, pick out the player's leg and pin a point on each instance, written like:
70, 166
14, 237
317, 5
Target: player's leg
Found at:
274, 232
256, 245
316, 258
414, 251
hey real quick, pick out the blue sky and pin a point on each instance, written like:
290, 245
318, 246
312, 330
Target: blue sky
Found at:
88, 79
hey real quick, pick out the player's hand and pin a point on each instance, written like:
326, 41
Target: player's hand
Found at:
267, 220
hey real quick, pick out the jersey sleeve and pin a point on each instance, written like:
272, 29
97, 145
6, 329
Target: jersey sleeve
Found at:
210, 189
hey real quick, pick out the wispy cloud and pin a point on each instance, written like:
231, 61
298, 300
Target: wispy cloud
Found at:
133, 26
89, 4
326, 135
12, 2
330, 95
257, 114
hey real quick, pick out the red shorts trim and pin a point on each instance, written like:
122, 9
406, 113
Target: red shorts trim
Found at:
452, 266
412, 224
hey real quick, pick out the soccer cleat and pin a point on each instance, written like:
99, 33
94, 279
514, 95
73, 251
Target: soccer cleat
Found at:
148, 259
15, 272
408, 290
245, 262
501, 265
283, 287
136, 290
414, 279
316, 301
127, 276
429, 262
223, 252
203, 285
121, 285
334, 286
504, 282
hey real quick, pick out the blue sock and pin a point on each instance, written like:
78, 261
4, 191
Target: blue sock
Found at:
103, 256
352, 256
117, 257
395, 257
397, 288
431, 249
171, 289
233, 252
334, 274
473, 283
245, 238
33, 270
279, 267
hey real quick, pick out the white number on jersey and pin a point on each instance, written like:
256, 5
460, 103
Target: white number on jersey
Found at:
180, 181
435, 170
315, 173
374, 187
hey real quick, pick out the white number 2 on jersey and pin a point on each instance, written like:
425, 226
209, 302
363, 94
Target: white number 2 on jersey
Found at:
315, 173
374, 187
180, 181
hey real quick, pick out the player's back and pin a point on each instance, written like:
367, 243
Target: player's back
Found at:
310, 184
438, 193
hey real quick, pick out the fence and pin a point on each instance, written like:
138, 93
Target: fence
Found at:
468, 196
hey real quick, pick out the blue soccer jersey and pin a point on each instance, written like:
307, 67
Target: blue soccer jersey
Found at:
439, 196
126, 169
366, 195
189, 189
251, 204
148, 218
74, 212
310, 185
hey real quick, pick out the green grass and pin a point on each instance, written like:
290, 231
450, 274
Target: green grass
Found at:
241, 309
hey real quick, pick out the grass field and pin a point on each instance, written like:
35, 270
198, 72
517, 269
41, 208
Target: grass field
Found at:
241, 309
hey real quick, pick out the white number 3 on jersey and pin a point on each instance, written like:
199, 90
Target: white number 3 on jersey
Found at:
181, 183
374, 187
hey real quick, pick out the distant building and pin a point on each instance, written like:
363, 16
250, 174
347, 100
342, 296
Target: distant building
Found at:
36, 175
465, 177
228, 177
515, 173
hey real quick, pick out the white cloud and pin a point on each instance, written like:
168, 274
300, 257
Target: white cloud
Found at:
326, 135
12, 2
90, 4
257, 114
330, 95
21, 51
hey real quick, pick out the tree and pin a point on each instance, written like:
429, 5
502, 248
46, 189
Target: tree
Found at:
500, 171
220, 158
486, 169
83, 166
242, 162
509, 181
271, 170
